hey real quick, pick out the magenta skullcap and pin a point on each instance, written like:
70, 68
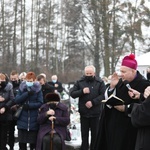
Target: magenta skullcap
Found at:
129, 61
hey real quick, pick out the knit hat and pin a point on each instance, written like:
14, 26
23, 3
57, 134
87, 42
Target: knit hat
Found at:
129, 61
52, 97
31, 75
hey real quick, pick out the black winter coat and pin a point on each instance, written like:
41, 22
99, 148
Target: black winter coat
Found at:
7, 94
115, 128
140, 118
59, 88
47, 88
96, 95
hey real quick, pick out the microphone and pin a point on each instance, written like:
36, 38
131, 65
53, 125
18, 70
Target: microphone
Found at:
129, 87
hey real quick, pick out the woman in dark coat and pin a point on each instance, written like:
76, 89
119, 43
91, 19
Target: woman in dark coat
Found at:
46, 88
31, 98
57, 112
6, 95
140, 118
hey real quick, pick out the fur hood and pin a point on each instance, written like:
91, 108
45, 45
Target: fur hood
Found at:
8, 87
36, 87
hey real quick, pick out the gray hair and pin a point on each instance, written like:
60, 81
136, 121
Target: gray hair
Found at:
90, 66
22, 74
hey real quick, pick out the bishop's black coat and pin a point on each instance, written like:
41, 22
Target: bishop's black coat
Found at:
115, 128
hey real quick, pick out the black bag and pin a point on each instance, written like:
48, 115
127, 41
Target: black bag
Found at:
18, 112
68, 135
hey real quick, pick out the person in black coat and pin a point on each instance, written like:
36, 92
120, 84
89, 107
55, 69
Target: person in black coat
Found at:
14, 79
56, 84
148, 74
90, 91
6, 95
116, 131
140, 117
46, 88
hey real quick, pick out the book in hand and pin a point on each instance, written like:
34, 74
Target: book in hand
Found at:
113, 101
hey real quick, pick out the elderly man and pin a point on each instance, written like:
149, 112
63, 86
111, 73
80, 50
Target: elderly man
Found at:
116, 131
57, 85
90, 91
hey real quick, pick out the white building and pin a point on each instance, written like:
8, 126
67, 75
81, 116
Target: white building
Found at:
143, 63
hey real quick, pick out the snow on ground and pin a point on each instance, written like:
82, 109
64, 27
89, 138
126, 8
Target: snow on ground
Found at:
16, 147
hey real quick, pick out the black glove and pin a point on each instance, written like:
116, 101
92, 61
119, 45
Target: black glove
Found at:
30, 93
26, 106
10, 103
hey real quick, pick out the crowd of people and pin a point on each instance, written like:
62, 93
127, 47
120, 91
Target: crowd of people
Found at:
40, 107
44, 119
120, 127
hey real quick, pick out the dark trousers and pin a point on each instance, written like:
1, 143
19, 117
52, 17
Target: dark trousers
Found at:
3, 135
23, 146
11, 136
88, 124
51, 143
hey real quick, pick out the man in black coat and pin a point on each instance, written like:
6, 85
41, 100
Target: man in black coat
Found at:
14, 79
56, 84
90, 91
115, 128
140, 117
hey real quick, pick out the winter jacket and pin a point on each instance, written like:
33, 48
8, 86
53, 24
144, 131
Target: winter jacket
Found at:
7, 94
46, 88
140, 118
59, 88
31, 102
96, 95
60, 124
